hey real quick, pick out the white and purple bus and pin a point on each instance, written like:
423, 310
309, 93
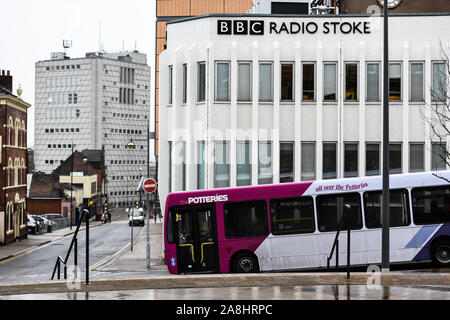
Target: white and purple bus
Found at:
293, 225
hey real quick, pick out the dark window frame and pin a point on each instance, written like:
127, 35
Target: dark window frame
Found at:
258, 202
432, 188
390, 193
272, 204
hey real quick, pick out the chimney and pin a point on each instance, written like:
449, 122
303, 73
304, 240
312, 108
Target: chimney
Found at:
6, 80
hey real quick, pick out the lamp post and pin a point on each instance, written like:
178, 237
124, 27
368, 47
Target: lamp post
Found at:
87, 212
132, 146
385, 221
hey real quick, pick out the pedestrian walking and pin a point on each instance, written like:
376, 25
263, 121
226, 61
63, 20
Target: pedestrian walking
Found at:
104, 218
109, 216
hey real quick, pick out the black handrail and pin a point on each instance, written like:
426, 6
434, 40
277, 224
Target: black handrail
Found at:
346, 214
73, 243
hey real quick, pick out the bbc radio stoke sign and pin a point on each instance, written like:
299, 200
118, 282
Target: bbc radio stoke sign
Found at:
256, 27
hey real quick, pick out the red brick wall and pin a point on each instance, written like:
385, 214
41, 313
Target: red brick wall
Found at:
43, 206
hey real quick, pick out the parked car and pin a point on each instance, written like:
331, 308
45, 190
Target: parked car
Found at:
136, 217
33, 225
46, 223
52, 216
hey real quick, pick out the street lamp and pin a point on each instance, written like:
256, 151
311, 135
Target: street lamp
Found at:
385, 221
132, 146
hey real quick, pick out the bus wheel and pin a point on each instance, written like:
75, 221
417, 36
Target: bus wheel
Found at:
245, 263
440, 253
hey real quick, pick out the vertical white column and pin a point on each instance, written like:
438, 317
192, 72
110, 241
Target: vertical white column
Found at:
405, 111
362, 110
276, 113
297, 113
189, 107
209, 145
319, 111
233, 115
255, 112
341, 96
428, 71
175, 112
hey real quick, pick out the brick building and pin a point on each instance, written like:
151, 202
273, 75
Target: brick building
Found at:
13, 157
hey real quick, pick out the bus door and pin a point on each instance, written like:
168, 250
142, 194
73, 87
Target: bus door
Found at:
196, 238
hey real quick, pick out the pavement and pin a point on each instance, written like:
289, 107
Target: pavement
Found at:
126, 270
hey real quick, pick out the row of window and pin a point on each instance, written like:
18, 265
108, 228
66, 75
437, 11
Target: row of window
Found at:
62, 82
296, 215
351, 85
16, 133
127, 131
60, 113
127, 75
59, 146
61, 130
16, 174
14, 212
127, 115
307, 160
123, 193
63, 67
62, 98
127, 162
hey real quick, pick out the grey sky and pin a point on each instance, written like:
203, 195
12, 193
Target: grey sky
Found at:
32, 29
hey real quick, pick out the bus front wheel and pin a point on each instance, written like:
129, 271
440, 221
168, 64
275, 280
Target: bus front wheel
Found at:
440, 253
245, 263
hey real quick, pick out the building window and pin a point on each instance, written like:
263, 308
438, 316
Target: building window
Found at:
287, 82
201, 165
372, 159
416, 82
223, 81
350, 160
395, 81
70, 98
243, 164
351, 81
286, 162
221, 165
265, 82
308, 161
184, 83
201, 69
329, 79
373, 82
395, 158
329, 160
416, 162
438, 156
244, 81
309, 81
170, 84
265, 163
439, 85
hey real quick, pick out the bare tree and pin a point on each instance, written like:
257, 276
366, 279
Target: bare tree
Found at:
438, 117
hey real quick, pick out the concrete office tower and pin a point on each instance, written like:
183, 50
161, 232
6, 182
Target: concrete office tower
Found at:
99, 101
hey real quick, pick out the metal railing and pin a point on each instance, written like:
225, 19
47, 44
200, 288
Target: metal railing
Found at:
335, 246
73, 244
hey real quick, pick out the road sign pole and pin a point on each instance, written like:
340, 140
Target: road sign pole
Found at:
149, 186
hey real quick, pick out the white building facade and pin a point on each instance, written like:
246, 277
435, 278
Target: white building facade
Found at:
248, 100
99, 101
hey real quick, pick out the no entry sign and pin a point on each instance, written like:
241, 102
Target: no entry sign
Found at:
149, 185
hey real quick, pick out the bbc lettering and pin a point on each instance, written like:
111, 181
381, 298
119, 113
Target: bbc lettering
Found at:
240, 27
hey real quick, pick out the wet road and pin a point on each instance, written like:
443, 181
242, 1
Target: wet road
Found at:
326, 292
38, 265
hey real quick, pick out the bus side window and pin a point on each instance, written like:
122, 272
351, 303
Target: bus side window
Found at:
330, 209
292, 215
398, 208
431, 205
245, 219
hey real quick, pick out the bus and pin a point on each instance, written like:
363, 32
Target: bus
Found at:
292, 226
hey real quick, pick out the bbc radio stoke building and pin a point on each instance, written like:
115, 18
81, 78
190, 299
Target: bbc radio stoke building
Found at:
256, 99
